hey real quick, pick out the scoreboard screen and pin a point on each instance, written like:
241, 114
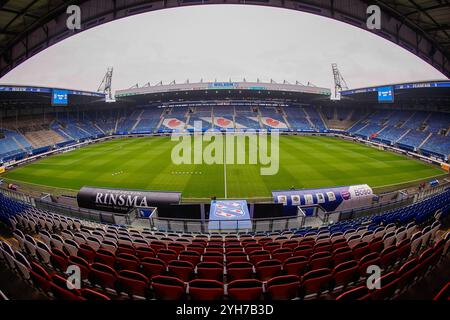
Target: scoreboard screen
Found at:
59, 97
385, 94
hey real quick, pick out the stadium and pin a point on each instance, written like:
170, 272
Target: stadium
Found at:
224, 191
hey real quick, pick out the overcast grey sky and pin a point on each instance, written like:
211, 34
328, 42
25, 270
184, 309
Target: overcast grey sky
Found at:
221, 42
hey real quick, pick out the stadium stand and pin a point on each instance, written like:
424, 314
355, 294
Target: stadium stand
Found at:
246, 118
437, 145
148, 121
203, 115
271, 118
297, 119
224, 117
419, 131
117, 262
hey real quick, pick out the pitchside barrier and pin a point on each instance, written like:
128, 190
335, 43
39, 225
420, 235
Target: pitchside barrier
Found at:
134, 219
220, 226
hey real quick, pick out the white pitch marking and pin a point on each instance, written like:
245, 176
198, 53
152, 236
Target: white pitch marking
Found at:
225, 170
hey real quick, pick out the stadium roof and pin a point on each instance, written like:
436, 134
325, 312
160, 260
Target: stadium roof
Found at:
222, 90
29, 26
258, 86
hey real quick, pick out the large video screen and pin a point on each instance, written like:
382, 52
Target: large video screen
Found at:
385, 94
59, 97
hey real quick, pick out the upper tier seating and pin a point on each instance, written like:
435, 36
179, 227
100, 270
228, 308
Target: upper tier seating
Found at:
413, 139
149, 120
296, 117
315, 118
391, 134
13, 145
246, 118
437, 145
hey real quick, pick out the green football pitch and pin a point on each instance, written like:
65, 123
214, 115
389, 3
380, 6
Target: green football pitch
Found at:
145, 163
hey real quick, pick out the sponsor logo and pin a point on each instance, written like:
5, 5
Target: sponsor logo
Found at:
110, 199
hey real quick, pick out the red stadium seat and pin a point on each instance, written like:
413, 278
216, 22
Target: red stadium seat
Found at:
282, 254
407, 273
388, 284
246, 241
321, 247
193, 257
84, 266
177, 247
236, 257
126, 248
239, 270
152, 267
260, 255
213, 257
368, 260
214, 248
132, 283
376, 245
291, 244
234, 248
359, 293
145, 252
303, 250
106, 257
403, 250
444, 294
183, 270
265, 240
59, 260
195, 247
252, 247
199, 242
388, 256
157, 245
41, 279
167, 255
316, 281
346, 273
125, 261
339, 243
210, 270
268, 269
283, 287
342, 254
86, 252
360, 250
201, 289
103, 276
320, 260
246, 289
93, 295
168, 288
295, 265
61, 291
271, 246
308, 239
